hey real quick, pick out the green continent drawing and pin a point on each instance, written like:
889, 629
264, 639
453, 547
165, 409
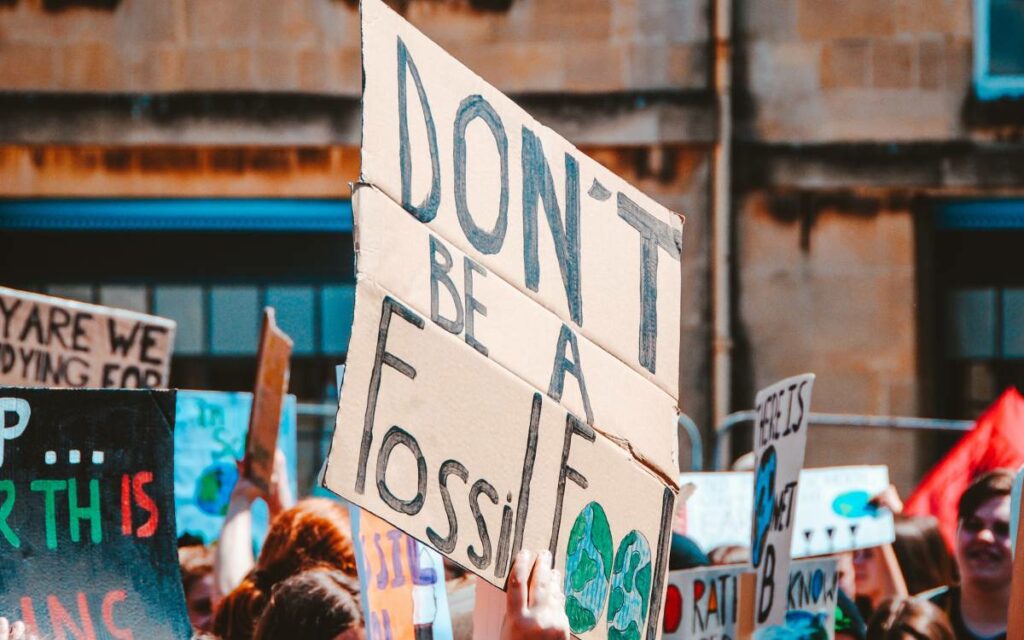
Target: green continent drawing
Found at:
588, 565
631, 588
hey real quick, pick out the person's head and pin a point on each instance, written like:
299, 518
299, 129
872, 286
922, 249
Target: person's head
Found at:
922, 553
315, 532
201, 595
315, 604
730, 554
847, 573
983, 532
909, 619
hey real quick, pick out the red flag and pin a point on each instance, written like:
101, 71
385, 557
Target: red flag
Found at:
997, 440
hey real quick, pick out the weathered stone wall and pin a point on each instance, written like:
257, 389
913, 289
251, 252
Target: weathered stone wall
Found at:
836, 70
151, 46
834, 293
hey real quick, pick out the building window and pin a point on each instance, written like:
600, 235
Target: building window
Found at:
998, 49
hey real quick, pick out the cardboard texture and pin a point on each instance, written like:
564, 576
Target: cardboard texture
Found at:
402, 584
52, 342
454, 450
275, 352
210, 430
703, 604
443, 284
519, 199
512, 378
87, 514
780, 437
833, 514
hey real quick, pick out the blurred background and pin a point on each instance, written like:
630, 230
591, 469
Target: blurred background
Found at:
852, 173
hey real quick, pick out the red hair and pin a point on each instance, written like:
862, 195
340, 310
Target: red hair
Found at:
315, 532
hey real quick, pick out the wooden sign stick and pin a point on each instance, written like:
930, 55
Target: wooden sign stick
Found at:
267, 400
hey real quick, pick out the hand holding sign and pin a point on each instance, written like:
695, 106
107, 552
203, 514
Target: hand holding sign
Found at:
535, 604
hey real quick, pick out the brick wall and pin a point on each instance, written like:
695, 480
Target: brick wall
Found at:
144, 46
841, 70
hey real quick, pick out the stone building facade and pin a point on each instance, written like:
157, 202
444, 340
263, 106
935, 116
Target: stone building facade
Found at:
859, 138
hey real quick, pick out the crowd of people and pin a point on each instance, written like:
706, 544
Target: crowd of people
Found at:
304, 583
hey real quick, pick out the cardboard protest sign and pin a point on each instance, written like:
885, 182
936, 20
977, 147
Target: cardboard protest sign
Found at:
514, 361
518, 199
812, 597
52, 342
272, 369
703, 603
452, 449
437, 280
1015, 623
209, 438
1015, 500
87, 514
780, 437
834, 513
402, 583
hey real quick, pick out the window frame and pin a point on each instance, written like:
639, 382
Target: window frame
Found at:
986, 85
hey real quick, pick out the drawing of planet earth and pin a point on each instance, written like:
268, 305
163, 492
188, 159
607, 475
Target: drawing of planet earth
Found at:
800, 625
588, 565
214, 486
631, 588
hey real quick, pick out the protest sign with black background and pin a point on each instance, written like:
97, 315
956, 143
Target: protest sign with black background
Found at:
87, 546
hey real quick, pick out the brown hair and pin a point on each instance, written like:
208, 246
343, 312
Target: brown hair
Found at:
994, 484
196, 563
901, 618
316, 604
923, 556
314, 532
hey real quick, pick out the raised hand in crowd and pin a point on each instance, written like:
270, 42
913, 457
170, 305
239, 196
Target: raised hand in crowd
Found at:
535, 604
14, 631
233, 558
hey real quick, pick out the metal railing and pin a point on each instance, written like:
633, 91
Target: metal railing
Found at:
686, 423
724, 431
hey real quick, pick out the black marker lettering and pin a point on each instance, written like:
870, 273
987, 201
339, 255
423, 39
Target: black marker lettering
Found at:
476, 106
661, 562
573, 427
394, 437
8, 314
503, 542
481, 560
383, 357
523, 507
439, 270
473, 306
563, 365
653, 234
538, 184
447, 544
426, 210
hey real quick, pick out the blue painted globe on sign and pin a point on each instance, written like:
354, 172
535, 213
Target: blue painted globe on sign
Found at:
214, 487
588, 565
631, 588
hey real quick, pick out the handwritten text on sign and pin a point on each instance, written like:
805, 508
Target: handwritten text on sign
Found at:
86, 507
780, 437
51, 342
517, 198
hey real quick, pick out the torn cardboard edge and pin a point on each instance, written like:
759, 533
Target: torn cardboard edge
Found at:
603, 259
378, 266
